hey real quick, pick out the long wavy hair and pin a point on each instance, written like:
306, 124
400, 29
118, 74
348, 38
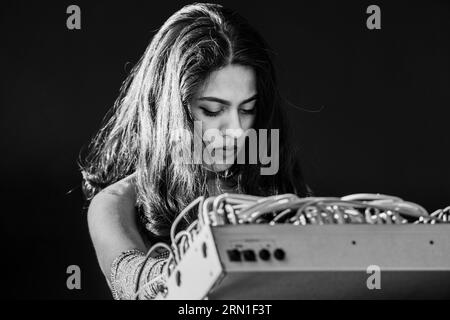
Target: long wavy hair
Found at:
137, 134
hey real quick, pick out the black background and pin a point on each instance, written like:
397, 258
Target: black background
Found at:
383, 126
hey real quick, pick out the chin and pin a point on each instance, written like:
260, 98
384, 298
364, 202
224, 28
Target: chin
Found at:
221, 167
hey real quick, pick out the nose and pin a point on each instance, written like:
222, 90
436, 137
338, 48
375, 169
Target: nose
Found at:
232, 128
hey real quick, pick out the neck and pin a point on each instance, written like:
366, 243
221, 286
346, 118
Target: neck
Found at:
226, 174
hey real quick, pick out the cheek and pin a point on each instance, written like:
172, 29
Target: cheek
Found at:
208, 123
247, 122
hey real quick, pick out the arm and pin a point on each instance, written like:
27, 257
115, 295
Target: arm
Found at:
119, 246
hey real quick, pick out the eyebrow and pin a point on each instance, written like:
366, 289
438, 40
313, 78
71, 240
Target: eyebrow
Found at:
226, 102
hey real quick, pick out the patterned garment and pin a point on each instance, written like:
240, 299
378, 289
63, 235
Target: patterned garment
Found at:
125, 270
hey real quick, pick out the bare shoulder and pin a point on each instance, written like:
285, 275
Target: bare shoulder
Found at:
112, 222
117, 197
124, 188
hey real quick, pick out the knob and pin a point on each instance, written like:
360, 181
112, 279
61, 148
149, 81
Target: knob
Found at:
234, 255
249, 255
264, 254
279, 254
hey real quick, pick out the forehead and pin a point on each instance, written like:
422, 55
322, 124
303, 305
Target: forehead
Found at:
233, 82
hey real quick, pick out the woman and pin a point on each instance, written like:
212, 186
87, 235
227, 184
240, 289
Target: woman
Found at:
204, 66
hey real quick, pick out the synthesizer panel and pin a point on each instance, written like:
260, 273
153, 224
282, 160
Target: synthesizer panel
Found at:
285, 247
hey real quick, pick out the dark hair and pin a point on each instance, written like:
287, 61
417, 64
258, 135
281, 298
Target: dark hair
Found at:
154, 101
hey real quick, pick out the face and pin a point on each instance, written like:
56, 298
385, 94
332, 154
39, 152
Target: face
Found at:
226, 106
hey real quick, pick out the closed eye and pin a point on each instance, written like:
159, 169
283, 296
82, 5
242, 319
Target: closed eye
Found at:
210, 113
249, 111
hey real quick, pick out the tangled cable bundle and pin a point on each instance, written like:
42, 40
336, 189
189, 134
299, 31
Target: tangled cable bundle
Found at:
288, 208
